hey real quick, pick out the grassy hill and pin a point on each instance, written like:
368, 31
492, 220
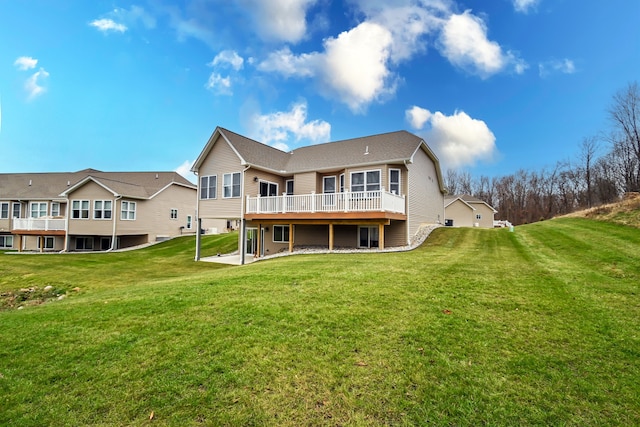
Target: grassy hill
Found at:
475, 327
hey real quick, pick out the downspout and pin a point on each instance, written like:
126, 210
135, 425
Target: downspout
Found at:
243, 224
115, 220
66, 227
198, 221
406, 205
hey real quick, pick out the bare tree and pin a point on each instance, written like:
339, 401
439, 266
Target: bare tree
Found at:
588, 151
624, 113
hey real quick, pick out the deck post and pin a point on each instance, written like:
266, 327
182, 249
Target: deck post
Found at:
291, 237
330, 236
381, 236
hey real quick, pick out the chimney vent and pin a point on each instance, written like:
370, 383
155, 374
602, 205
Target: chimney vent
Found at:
366, 150
29, 183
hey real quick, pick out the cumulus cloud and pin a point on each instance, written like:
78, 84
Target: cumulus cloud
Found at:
185, 170
563, 66
459, 140
283, 61
524, 6
280, 20
228, 58
108, 25
277, 128
464, 43
25, 63
219, 85
34, 84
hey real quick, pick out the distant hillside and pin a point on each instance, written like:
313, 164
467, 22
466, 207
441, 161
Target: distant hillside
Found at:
626, 211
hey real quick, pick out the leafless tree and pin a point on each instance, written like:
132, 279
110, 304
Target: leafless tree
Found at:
624, 113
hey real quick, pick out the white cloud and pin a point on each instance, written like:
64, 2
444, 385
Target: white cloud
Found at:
277, 128
106, 25
25, 63
280, 20
228, 57
286, 63
33, 84
465, 44
417, 116
524, 6
459, 140
564, 66
219, 85
185, 170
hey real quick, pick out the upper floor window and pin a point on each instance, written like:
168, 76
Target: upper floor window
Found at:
4, 210
80, 209
342, 183
394, 181
365, 181
268, 189
102, 209
174, 214
128, 210
208, 187
38, 209
231, 185
289, 185
55, 209
17, 210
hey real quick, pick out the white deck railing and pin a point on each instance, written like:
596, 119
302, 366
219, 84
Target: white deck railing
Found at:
39, 224
357, 201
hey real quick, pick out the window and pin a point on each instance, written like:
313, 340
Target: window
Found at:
174, 214
268, 189
48, 242
289, 185
365, 181
478, 216
394, 181
342, 183
328, 190
6, 242
38, 209
189, 222
368, 237
84, 243
55, 209
16, 210
4, 210
128, 211
281, 233
208, 187
102, 209
231, 185
80, 209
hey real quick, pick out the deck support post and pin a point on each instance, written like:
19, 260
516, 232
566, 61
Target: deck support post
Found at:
330, 236
381, 236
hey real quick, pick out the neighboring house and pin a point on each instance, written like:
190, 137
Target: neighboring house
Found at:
369, 192
93, 210
466, 211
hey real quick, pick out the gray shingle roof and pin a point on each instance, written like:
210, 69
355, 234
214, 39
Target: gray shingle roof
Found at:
33, 186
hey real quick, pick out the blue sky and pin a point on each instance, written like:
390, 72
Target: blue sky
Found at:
493, 86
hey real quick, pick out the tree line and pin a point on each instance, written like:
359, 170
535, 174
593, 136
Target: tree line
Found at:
606, 167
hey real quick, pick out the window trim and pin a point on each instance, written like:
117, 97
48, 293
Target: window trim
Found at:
125, 212
269, 185
47, 239
286, 187
102, 210
55, 205
173, 214
231, 186
479, 216
3, 210
288, 235
209, 187
189, 222
369, 228
365, 184
399, 183
39, 210
3, 239
13, 209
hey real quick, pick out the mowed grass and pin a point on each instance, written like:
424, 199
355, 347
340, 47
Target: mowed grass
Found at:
476, 327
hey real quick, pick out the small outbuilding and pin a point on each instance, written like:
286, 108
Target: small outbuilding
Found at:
463, 210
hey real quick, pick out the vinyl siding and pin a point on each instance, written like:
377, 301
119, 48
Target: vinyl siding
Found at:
91, 192
220, 160
425, 200
461, 214
305, 183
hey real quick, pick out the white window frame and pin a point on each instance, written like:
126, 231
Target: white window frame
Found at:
79, 206
369, 229
282, 233
229, 187
173, 214
341, 183
479, 217
4, 210
270, 185
288, 186
189, 222
55, 209
49, 242
210, 190
100, 210
395, 184
4, 239
127, 210
39, 211
366, 184
13, 210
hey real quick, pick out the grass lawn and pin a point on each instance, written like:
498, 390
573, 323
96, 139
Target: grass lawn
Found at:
475, 327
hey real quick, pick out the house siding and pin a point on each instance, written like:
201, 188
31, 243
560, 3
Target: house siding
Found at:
221, 160
305, 183
487, 215
158, 212
461, 214
425, 200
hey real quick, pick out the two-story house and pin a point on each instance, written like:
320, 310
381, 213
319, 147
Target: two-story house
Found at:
463, 210
369, 192
92, 210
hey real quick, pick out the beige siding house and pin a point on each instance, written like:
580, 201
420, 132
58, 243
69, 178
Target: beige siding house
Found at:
467, 211
92, 210
369, 192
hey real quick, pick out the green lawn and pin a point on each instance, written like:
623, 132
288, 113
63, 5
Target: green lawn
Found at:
476, 327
